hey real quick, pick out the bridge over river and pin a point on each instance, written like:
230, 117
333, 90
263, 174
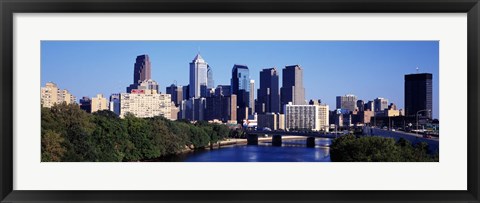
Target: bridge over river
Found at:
252, 136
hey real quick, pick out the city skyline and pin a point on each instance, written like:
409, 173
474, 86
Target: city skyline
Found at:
325, 77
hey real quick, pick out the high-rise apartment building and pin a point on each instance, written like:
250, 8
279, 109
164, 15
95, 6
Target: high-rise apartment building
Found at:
303, 117
292, 86
99, 103
323, 114
348, 101
142, 71
198, 77
268, 96
145, 103
51, 95
323, 117
418, 94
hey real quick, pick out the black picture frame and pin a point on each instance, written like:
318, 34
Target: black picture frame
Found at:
10, 7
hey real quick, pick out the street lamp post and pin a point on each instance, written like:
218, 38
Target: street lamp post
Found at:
417, 116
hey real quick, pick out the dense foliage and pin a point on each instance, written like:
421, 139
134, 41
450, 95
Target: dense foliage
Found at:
70, 134
350, 148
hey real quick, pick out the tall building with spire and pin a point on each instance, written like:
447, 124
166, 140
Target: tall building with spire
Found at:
198, 77
268, 97
292, 86
142, 71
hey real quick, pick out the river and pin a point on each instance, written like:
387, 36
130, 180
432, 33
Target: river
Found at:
290, 151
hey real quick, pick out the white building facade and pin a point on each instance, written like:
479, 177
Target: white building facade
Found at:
301, 117
323, 117
99, 103
51, 95
306, 117
145, 103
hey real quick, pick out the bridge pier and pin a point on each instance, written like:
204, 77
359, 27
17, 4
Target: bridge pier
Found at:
252, 139
311, 142
277, 140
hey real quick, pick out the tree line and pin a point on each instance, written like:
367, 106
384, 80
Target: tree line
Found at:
350, 148
70, 134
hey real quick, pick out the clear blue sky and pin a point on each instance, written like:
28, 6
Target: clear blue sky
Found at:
367, 69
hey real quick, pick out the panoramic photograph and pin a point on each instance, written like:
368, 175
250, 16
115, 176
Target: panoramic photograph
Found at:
239, 101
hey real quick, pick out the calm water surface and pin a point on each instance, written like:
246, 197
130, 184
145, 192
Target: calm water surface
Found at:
290, 151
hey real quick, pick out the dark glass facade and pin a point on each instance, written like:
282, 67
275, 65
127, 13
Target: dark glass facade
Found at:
142, 71
418, 94
240, 84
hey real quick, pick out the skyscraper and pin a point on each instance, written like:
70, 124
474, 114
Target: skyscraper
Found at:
418, 94
348, 101
210, 81
292, 86
141, 71
252, 97
268, 97
198, 77
240, 84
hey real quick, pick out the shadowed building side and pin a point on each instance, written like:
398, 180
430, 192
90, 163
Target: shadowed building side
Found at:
292, 86
418, 94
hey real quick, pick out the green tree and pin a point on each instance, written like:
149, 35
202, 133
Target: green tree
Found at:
141, 136
52, 146
109, 138
377, 149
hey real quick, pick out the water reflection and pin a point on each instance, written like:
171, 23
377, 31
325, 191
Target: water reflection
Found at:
290, 151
